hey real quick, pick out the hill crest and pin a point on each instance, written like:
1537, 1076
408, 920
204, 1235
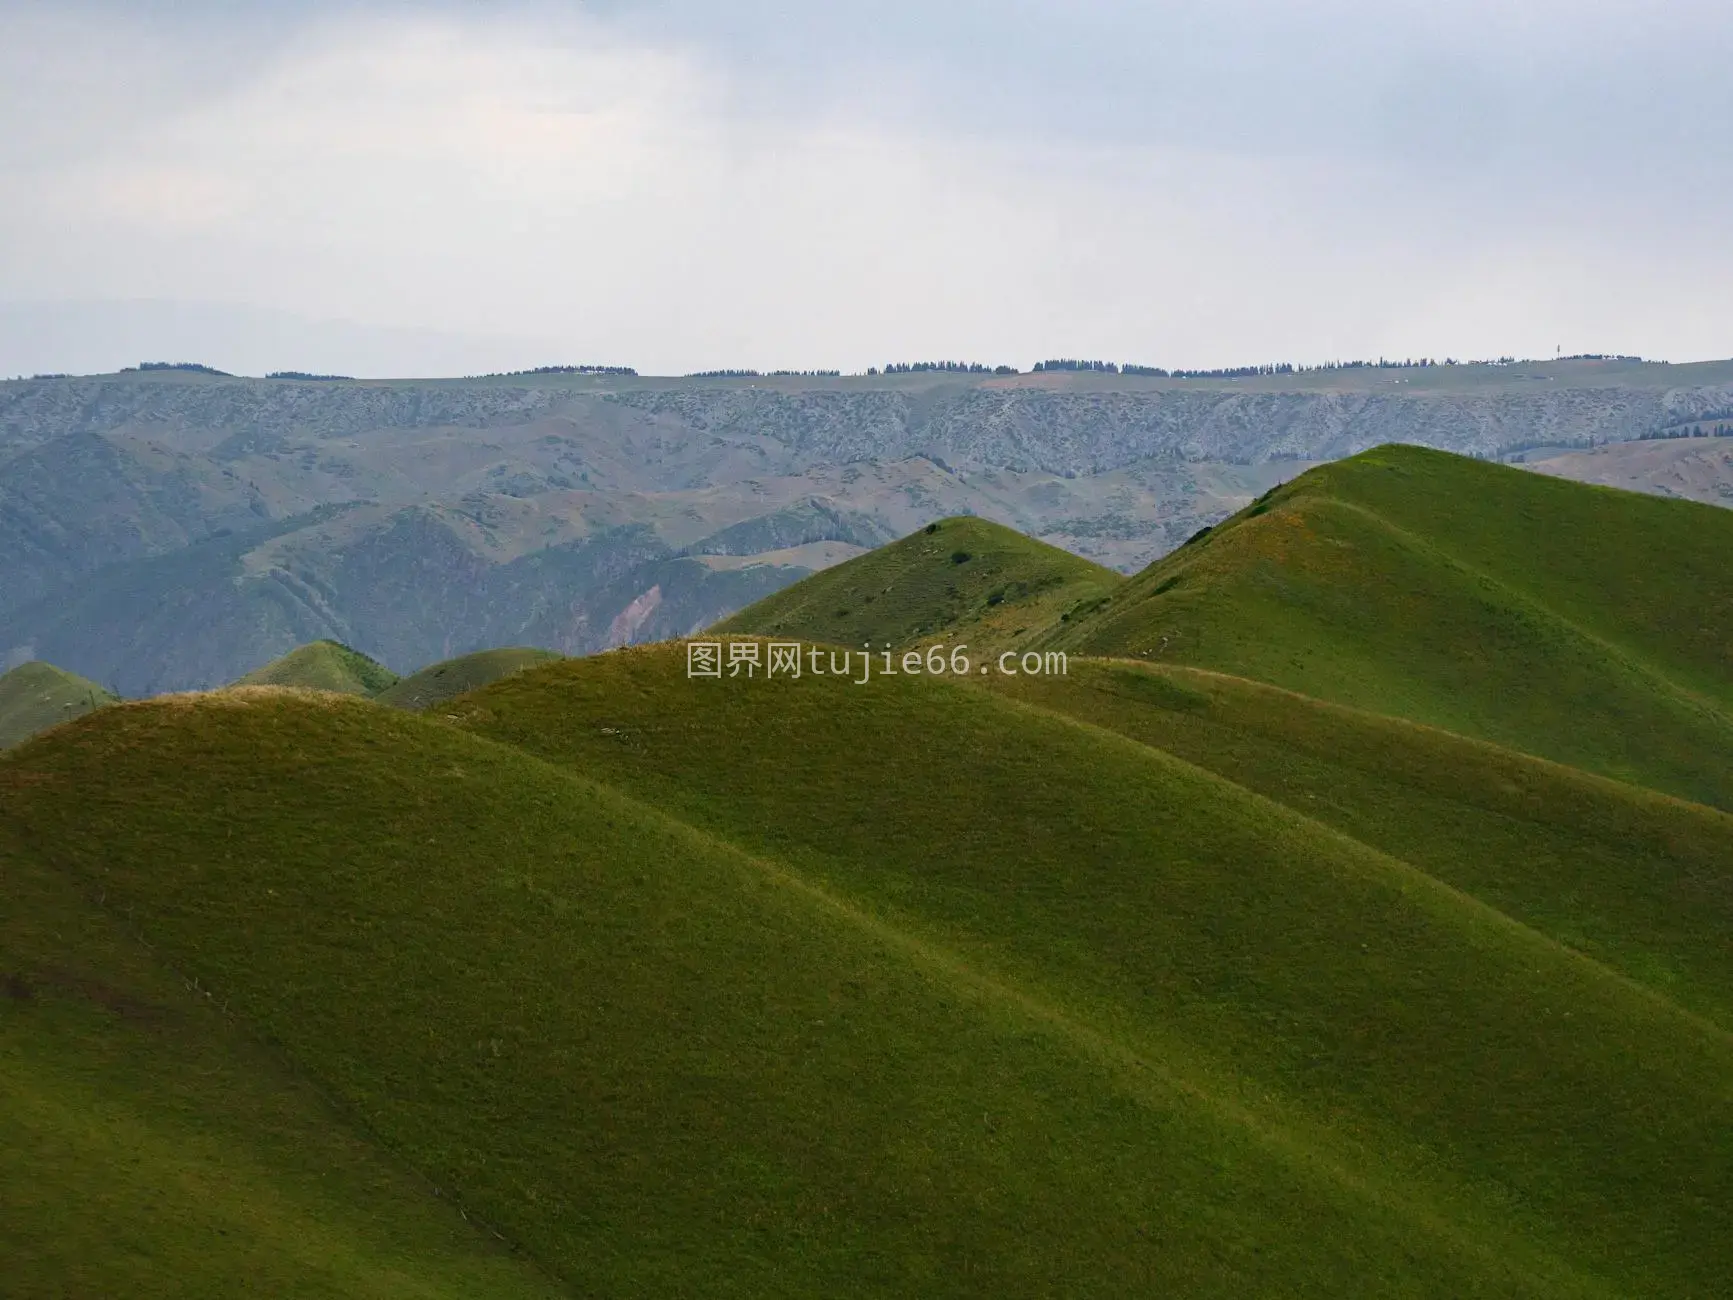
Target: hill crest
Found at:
960, 579
324, 666
1586, 624
35, 696
441, 681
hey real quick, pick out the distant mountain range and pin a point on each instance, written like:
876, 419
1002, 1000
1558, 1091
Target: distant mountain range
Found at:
168, 529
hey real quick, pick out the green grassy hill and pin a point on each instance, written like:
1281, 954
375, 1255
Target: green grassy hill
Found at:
958, 580
1582, 624
1146, 978
324, 666
35, 696
440, 681
1031, 1008
1465, 1069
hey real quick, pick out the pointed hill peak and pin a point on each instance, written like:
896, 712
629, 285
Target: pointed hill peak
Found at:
1583, 624
958, 579
324, 666
35, 696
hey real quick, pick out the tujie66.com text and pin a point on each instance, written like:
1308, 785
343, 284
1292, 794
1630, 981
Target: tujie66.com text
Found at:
790, 660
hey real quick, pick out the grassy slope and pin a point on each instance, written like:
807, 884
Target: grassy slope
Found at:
1007, 587
149, 1149
441, 681
668, 1066
663, 1066
324, 666
1455, 1066
35, 696
1637, 880
1586, 625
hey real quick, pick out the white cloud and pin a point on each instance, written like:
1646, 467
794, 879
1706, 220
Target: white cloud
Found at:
647, 188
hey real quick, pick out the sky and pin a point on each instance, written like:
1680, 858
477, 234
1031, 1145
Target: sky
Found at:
370, 187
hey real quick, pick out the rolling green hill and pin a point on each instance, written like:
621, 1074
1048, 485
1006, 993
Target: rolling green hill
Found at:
324, 666
658, 1063
35, 696
957, 580
1030, 1008
440, 681
1442, 1056
1583, 624
1135, 978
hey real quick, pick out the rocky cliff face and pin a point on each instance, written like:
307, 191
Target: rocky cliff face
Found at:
1060, 432
164, 531
1096, 432
243, 412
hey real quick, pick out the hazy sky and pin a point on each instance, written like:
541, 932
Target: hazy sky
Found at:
383, 187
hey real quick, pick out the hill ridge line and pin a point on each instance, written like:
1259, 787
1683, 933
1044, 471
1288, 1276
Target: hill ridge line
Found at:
1406, 869
1137, 1067
1297, 1139
1682, 694
1132, 1067
1297, 1135
1627, 788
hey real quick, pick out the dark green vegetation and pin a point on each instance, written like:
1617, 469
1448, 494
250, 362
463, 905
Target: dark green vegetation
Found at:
1582, 624
1447, 1060
324, 666
439, 682
1078, 1017
150, 1146
1142, 980
956, 580
35, 696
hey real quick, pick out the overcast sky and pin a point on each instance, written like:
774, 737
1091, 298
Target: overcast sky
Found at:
421, 188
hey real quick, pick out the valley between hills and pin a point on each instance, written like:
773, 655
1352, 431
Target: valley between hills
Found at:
1347, 913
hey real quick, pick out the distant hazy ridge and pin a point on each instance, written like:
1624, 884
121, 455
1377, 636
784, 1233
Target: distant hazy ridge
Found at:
165, 530
1082, 429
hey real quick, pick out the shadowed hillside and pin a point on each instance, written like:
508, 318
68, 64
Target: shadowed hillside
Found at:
441, 681
152, 1146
